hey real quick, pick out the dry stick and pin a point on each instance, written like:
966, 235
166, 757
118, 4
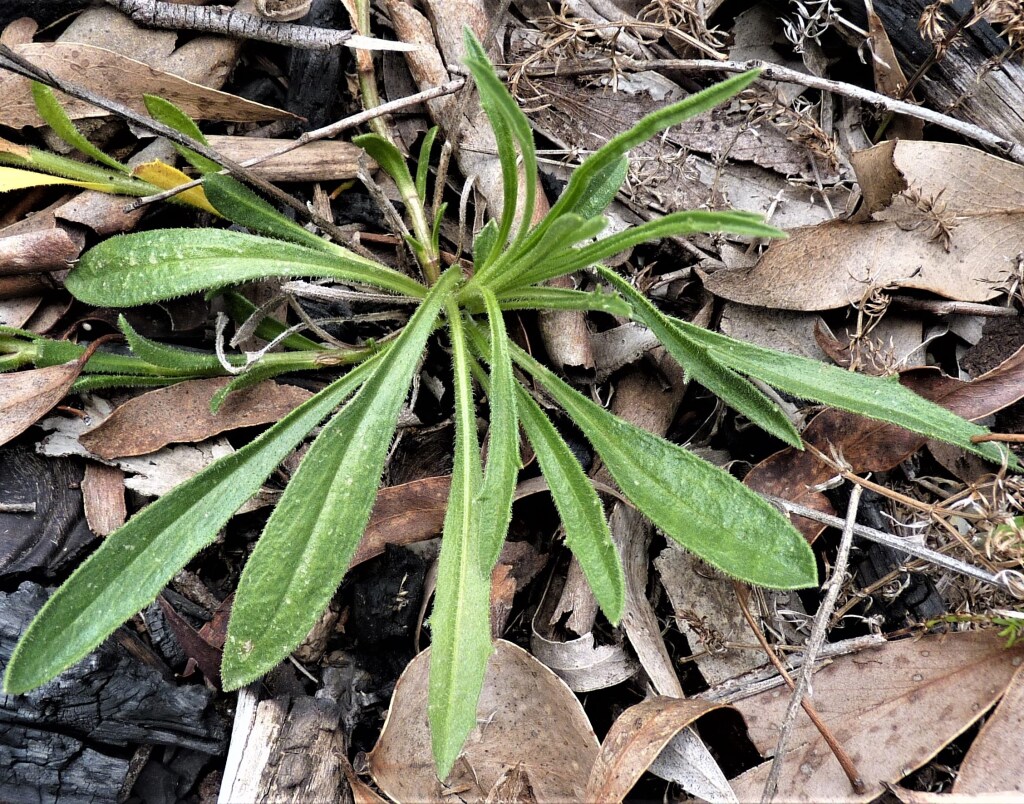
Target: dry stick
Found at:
897, 543
238, 24
773, 72
317, 134
947, 307
9, 60
826, 733
814, 643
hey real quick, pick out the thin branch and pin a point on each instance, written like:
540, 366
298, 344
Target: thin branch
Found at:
773, 72
238, 24
9, 60
814, 643
903, 545
950, 307
324, 133
826, 733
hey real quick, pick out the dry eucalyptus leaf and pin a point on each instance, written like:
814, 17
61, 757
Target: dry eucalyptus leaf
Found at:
119, 78
939, 217
181, 413
788, 331
893, 708
921, 797
526, 716
583, 664
889, 78
15, 312
103, 498
636, 739
403, 514
27, 396
995, 761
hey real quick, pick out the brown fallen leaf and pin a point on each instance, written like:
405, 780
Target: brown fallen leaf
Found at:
893, 708
513, 787
526, 716
118, 78
995, 761
181, 413
921, 797
37, 252
936, 216
27, 396
635, 740
404, 514
103, 498
889, 78
199, 651
871, 446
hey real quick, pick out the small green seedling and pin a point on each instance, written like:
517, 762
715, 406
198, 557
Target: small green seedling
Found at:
310, 538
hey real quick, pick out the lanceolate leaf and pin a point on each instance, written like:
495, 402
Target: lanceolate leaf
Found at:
700, 506
132, 565
586, 529
499, 485
240, 205
170, 115
675, 224
56, 118
545, 298
875, 397
306, 546
134, 269
423, 165
459, 625
705, 368
604, 186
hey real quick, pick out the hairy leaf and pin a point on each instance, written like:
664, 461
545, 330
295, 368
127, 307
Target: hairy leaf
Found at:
700, 506
423, 166
586, 529
18, 179
875, 397
133, 564
309, 539
56, 118
545, 298
483, 244
170, 115
459, 625
240, 205
159, 174
702, 366
604, 186
134, 269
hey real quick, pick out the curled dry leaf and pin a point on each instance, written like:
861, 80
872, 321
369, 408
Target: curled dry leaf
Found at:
893, 708
118, 78
526, 716
995, 760
181, 413
939, 217
871, 446
27, 396
635, 740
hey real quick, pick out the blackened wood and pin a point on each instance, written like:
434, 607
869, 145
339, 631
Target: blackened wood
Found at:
108, 698
42, 11
315, 76
995, 102
52, 537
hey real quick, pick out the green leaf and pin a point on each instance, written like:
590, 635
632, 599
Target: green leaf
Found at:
101, 382
240, 205
702, 366
129, 270
386, 154
460, 630
875, 397
56, 118
164, 111
484, 242
309, 539
674, 224
700, 506
603, 187
561, 236
546, 298
133, 564
423, 165
584, 178
504, 113
586, 529
168, 357
503, 461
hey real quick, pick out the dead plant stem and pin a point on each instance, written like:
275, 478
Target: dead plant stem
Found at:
819, 629
774, 72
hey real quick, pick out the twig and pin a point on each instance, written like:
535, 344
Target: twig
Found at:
317, 134
238, 24
903, 545
947, 307
17, 508
773, 72
814, 643
826, 733
9, 60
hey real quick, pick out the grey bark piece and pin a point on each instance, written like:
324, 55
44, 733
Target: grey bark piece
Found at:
286, 749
